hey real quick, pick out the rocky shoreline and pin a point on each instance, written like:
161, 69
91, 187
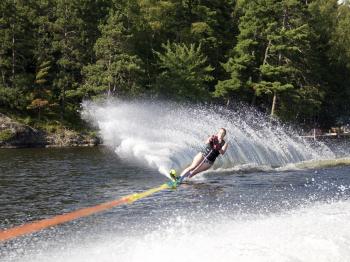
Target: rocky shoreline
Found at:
16, 135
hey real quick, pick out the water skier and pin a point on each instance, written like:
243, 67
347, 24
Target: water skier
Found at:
214, 146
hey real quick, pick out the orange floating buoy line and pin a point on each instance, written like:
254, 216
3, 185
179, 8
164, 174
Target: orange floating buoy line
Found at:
35, 226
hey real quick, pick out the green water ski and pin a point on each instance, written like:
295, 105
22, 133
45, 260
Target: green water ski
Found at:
175, 179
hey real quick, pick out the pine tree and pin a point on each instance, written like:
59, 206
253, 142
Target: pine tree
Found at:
184, 72
92, 13
243, 63
41, 93
288, 41
341, 36
329, 65
16, 37
212, 26
208, 23
68, 47
339, 55
116, 70
271, 54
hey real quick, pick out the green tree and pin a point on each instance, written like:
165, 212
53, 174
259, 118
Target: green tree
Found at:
208, 23
212, 26
68, 48
16, 47
329, 21
116, 70
288, 57
243, 62
341, 36
271, 54
93, 13
288, 42
41, 94
185, 72
340, 60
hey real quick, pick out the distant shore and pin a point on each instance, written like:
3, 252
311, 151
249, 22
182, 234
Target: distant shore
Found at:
14, 134
328, 136
341, 133
17, 135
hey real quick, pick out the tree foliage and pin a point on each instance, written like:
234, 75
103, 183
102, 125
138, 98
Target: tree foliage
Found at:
116, 70
184, 72
289, 58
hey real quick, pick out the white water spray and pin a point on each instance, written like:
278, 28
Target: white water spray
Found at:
320, 232
167, 135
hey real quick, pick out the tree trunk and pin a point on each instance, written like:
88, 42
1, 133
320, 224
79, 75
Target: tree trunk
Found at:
273, 107
13, 59
13, 51
63, 101
253, 100
63, 88
109, 76
3, 78
267, 52
266, 55
274, 99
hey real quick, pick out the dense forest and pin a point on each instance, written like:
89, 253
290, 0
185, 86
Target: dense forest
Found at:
288, 58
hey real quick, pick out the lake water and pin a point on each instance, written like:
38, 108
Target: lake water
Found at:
290, 215
272, 197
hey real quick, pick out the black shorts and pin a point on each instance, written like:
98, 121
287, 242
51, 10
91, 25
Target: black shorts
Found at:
206, 160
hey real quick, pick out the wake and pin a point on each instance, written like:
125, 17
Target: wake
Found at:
165, 135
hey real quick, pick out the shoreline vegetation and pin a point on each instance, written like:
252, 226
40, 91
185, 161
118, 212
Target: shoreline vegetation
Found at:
289, 59
18, 135
14, 134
